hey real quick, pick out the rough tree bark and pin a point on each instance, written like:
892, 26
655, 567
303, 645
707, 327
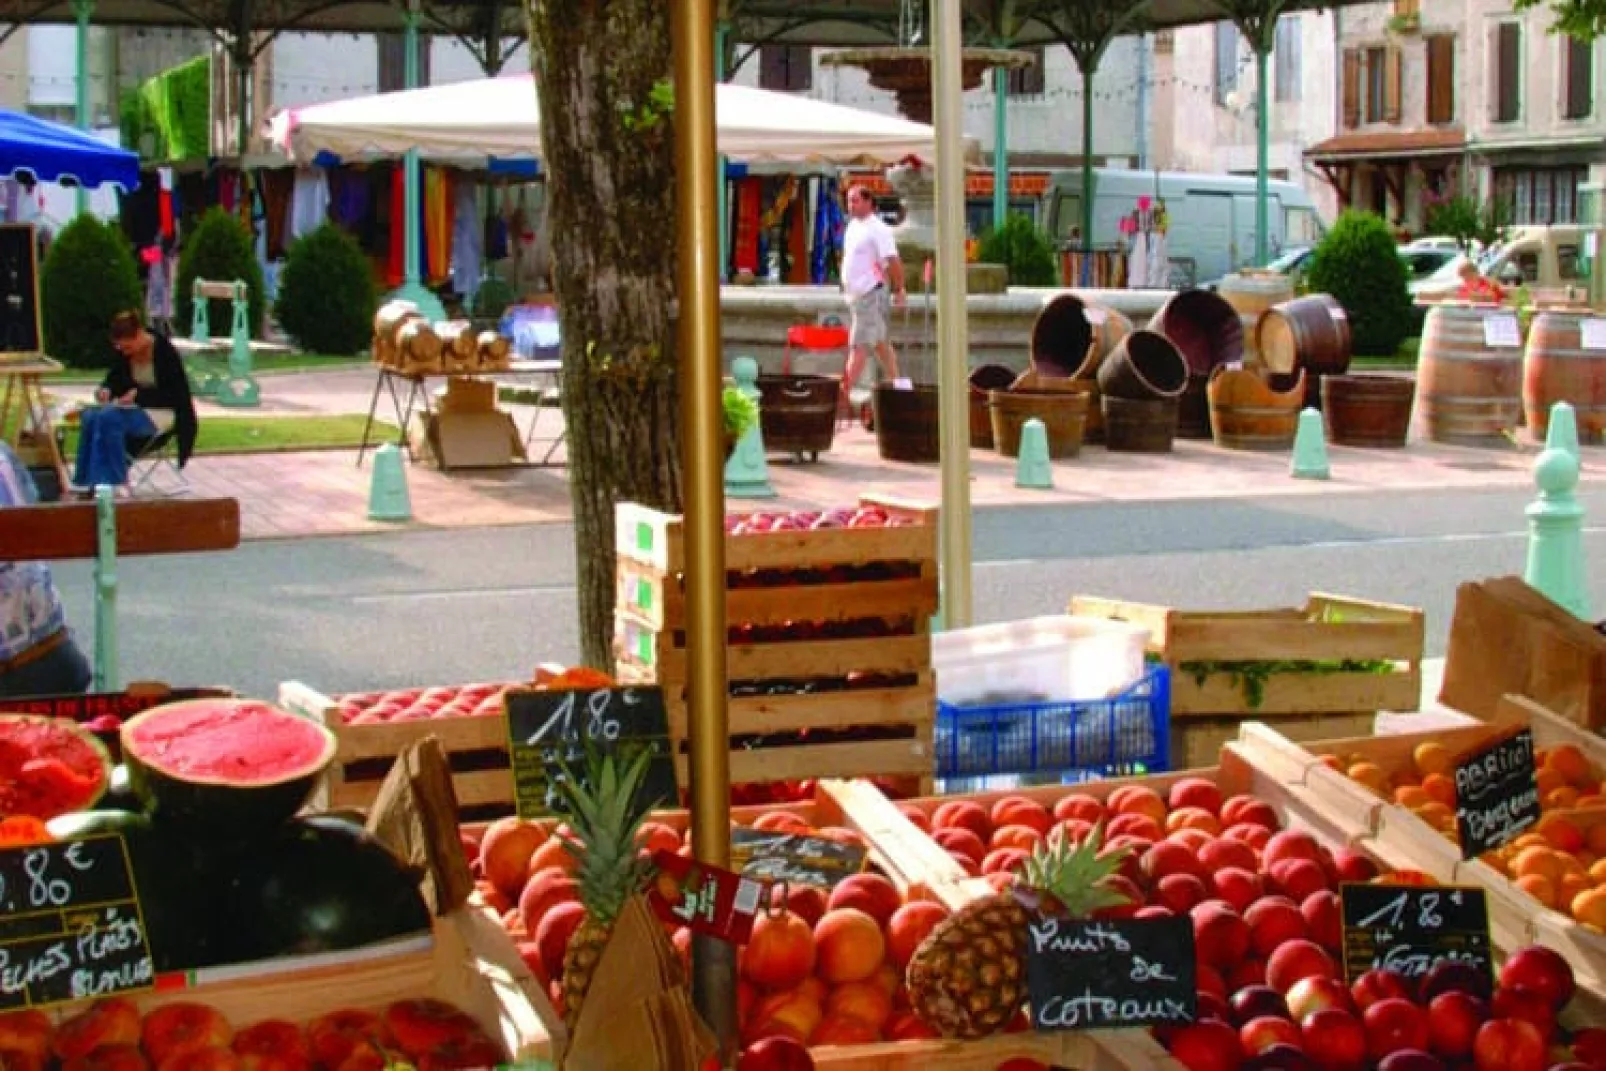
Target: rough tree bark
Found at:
607, 132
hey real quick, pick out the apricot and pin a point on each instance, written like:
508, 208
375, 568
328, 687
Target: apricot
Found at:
1570, 886
505, 853
1433, 758
1437, 815
1589, 908
1548, 780
1440, 789
1539, 887
1569, 761
1411, 796
1540, 861
781, 952
1369, 775
1595, 837
1562, 799
849, 946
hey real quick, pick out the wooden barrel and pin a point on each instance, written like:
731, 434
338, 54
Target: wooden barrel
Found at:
1063, 413
984, 380
1368, 409
797, 413
1309, 334
906, 423
1203, 327
1246, 414
1252, 293
1558, 368
1142, 367
1466, 390
1061, 335
1146, 427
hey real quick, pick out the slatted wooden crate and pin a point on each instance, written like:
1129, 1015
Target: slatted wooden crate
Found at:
1212, 688
828, 632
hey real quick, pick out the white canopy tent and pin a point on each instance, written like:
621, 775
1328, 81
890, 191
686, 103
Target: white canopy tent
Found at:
468, 122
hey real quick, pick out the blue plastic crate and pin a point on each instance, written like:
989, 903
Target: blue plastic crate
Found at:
1122, 736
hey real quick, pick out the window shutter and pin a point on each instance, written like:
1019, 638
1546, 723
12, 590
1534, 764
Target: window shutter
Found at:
1352, 87
1393, 78
1578, 101
772, 67
1441, 79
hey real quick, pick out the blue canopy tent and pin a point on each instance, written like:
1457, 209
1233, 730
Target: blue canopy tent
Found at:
50, 152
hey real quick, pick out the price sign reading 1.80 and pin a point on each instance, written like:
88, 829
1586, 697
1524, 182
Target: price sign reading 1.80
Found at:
547, 730
1409, 928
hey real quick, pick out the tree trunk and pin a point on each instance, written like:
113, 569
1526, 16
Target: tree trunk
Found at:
607, 134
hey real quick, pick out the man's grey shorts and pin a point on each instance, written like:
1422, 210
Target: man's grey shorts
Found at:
870, 314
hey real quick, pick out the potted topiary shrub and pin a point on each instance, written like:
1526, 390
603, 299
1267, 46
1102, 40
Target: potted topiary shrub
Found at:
89, 275
327, 294
218, 248
1359, 264
1023, 249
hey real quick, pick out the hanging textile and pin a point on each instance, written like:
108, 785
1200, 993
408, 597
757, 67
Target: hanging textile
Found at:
797, 244
437, 225
744, 243
164, 203
277, 188
396, 265
309, 201
495, 228
467, 239
828, 229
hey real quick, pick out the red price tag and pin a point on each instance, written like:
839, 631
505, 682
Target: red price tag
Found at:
705, 899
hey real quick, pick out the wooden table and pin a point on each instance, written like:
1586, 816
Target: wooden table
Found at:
409, 393
25, 392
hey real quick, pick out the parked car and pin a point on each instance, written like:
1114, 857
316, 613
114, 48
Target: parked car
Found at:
1418, 262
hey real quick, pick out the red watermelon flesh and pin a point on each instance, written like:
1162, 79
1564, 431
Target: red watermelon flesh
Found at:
234, 742
49, 767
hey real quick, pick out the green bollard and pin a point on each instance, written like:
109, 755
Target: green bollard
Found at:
105, 589
200, 325
240, 390
1310, 448
1032, 468
388, 499
1562, 432
1555, 565
747, 472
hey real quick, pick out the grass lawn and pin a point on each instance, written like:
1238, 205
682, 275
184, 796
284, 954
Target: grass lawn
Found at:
1403, 358
260, 363
256, 434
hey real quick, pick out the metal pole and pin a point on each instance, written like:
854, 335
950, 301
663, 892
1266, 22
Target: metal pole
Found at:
1262, 154
702, 439
81, 11
1000, 146
410, 188
105, 589
953, 329
1143, 103
722, 186
1087, 171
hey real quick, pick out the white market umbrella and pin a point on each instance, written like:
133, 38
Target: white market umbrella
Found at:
469, 122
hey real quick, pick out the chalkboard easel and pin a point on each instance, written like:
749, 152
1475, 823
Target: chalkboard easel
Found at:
22, 335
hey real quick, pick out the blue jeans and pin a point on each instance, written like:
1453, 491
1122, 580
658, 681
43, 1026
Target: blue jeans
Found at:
64, 671
103, 435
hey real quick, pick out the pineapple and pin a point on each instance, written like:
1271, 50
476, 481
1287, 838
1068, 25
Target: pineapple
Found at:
604, 815
968, 978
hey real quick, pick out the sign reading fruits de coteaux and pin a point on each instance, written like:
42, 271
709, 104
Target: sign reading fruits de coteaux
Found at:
1085, 974
1496, 794
70, 924
546, 728
1410, 929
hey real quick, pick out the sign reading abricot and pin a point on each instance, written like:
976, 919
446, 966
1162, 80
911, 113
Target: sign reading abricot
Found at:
546, 729
1496, 794
70, 924
1084, 974
1411, 928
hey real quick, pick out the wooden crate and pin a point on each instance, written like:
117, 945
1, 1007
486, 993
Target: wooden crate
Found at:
1197, 740
477, 748
1329, 628
470, 962
844, 579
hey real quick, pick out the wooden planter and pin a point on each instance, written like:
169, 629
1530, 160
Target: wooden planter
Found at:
906, 424
1247, 414
798, 414
1368, 409
1062, 410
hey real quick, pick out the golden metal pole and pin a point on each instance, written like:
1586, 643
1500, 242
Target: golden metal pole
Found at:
953, 326
702, 438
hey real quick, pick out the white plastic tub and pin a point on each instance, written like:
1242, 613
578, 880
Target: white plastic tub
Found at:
1040, 659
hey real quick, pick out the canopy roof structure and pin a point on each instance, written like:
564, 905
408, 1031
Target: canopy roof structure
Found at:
500, 117
50, 152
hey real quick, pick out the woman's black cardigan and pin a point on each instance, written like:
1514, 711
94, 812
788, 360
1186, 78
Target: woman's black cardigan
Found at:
172, 391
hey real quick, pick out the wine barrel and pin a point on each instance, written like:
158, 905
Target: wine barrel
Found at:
1466, 390
1368, 409
1203, 327
1310, 333
906, 423
987, 378
1061, 335
1252, 293
1063, 413
1558, 368
1246, 414
1142, 367
1146, 427
797, 413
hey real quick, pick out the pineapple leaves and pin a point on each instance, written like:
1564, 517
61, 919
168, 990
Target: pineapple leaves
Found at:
1076, 874
601, 802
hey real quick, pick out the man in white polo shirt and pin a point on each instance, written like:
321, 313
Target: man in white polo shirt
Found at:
872, 278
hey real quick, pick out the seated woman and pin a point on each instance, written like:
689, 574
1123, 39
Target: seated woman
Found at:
146, 393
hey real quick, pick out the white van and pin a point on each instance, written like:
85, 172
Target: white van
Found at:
1212, 217
1549, 260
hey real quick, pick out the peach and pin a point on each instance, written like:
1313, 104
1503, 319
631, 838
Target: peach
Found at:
1257, 837
1193, 818
1250, 810
1137, 799
1293, 960
1071, 831
1251, 971
843, 1030
1207, 1045
907, 1026
1453, 1021
1541, 970
780, 822
1220, 935
183, 1027
807, 902
1298, 878
206, 1058
1133, 825
1208, 980
1004, 860
1273, 921
1317, 993
552, 937
113, 1021
799, 1010
1335, 1038
870, 893
1221, 852
1353, 866
25, 1033
960, 841
554, 854
921, 820
908, 927
1168, 857
273, 1045
1258, 1035
1180, 893
1195, 792
849, 946
1026, 838
963, 814
544, 889
889, 980
1020, 811
781, 952
658, 837
349, 1034
1081, 806
1394, 1025
1291, 844
1324, 918
1240, 888
1508, 1045
1192, 839
505, 853
815, 989
864, 1001
107, 1058
1380, 984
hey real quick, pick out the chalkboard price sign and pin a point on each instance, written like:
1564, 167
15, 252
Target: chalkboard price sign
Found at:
797, 859
1496, 794
70, 924
1090, 975
547, 729
1410, 928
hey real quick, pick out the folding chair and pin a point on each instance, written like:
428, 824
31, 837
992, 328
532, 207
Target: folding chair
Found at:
148, 457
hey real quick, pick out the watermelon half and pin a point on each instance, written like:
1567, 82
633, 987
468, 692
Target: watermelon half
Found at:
224, 763
49, 767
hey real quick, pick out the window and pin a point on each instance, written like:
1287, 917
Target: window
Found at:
1570, 261
1376, 84
1540, 195
1226, 60
1029, 81
393, 61
787, 68
1505, 77
1286, 58
1578, 97
1352, 88
1406, 8
1441, 79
